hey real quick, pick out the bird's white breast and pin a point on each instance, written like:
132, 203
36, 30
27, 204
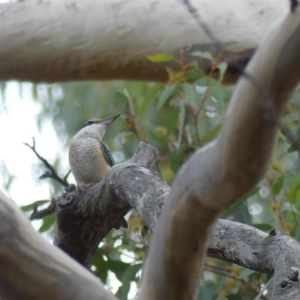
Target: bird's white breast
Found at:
87, 162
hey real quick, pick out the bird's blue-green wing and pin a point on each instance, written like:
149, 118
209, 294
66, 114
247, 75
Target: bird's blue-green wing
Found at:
107, 154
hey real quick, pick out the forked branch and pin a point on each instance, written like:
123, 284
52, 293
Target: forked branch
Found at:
223, 171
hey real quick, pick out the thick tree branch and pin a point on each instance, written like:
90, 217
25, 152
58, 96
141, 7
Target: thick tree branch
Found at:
147, 192
267, 102
31, 268
230, 241
244, 281
223, 171
256, 250
87, 214
48, 41
39, 214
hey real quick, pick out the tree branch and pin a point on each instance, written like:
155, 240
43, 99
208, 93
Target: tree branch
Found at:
267, 101
244, 281
89, 214
39, 214
43, 271
251, 248
51, 173
46, 57
223, 171
147, 192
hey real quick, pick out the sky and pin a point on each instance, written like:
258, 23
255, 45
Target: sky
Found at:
17, 126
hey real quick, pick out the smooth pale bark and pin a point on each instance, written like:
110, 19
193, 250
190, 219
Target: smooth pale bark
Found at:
33, 269
51, 41
256, 250
223, 171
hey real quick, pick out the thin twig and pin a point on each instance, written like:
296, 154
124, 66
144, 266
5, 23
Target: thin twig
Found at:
268, 103
51, 173
66, 176
227, 273
36, 214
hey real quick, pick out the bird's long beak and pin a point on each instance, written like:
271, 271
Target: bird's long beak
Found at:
109, 120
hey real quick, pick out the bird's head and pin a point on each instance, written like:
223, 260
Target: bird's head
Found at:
96, 127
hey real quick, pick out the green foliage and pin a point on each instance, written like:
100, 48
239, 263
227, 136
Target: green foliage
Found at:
128, 276
5, 175
232, 208
177, 118
3, 85
206, 55
48, 222
161, 58
34, 205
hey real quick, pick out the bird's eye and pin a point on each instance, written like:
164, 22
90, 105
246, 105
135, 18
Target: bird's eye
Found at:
87, 124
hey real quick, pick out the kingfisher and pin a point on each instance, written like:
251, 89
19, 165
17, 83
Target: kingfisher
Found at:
89, 157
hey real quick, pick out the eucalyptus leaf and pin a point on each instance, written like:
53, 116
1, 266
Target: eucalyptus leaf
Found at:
158, 58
